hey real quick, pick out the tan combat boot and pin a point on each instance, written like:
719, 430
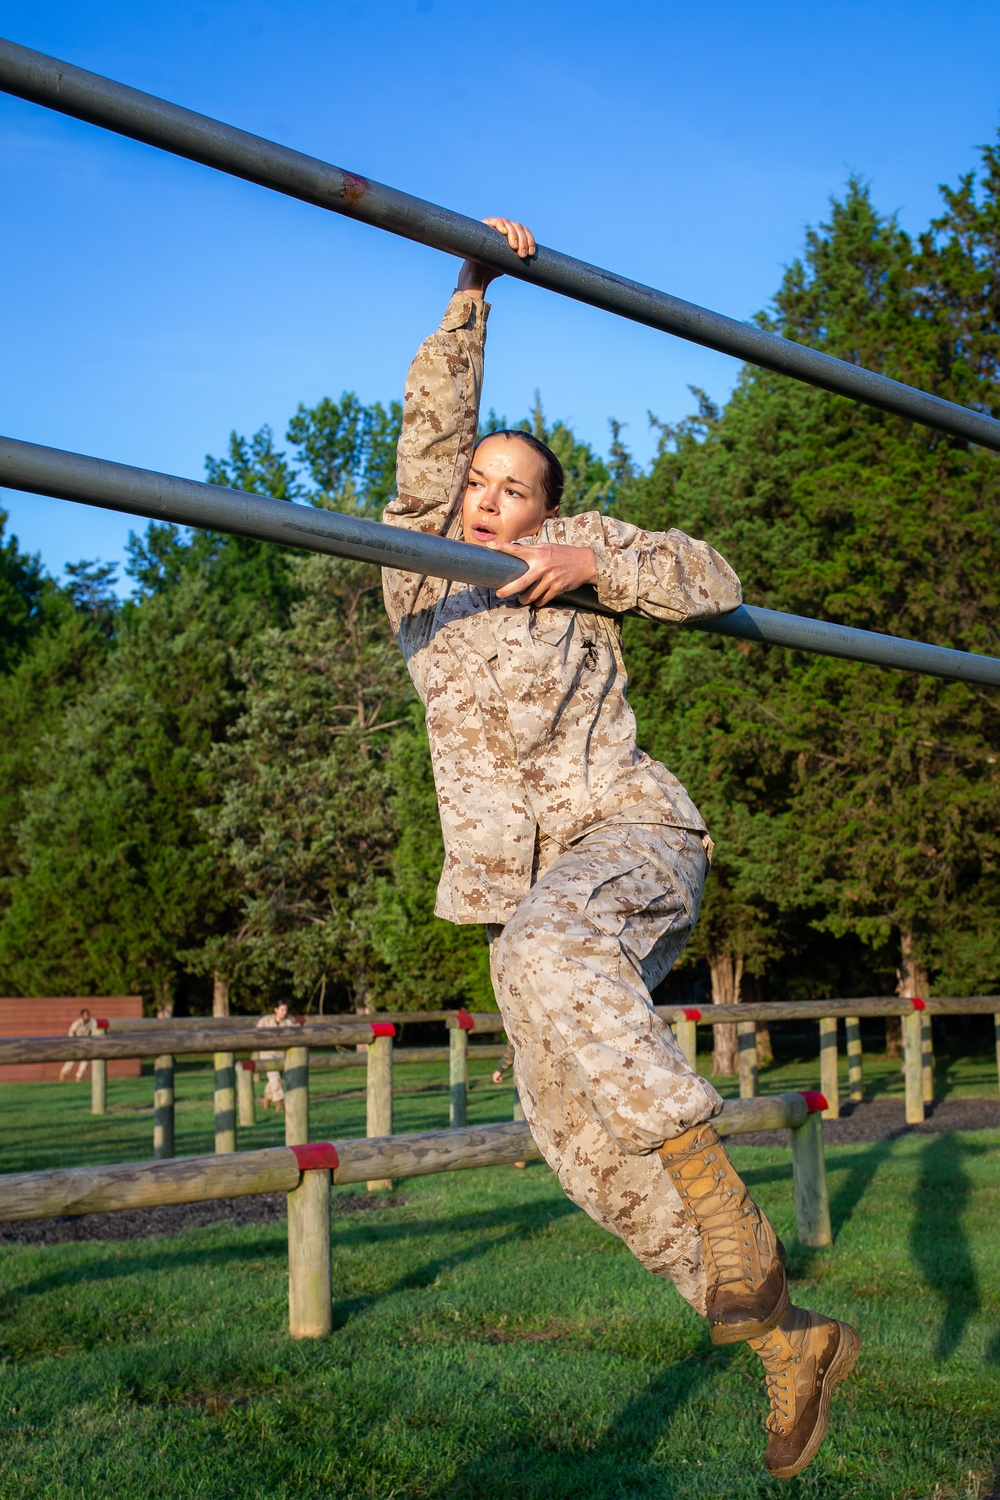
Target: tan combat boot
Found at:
804, 1357
744, 1259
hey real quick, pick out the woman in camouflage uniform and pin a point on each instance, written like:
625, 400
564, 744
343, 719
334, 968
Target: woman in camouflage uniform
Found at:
584, 858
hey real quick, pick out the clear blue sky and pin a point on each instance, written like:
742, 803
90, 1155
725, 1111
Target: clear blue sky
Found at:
149, 305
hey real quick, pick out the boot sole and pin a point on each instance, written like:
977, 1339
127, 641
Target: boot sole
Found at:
739, 1333
840, 1367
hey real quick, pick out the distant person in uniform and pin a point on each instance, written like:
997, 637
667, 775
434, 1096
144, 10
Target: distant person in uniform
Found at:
82, 1026
273, 1091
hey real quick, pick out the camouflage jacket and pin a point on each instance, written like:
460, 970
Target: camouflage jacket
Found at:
531, 734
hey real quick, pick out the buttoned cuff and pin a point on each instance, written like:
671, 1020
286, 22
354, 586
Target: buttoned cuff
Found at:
464, 312
617, 579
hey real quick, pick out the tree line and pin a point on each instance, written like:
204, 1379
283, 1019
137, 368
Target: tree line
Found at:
219, 790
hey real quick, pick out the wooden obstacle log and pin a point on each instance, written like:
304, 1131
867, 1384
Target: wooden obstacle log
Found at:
224, 1101
913, 1062
310, 1288
766, 1112
458, 1076
812, 1201
222, 1023
163, 1107
246, 1102
746, 1058
499, 1145
829, 1067
203, 1042
378, 1092
196, 1179
98, 1087
855, 1073
108, 1189
477, 1020
296, 1086
812, 1010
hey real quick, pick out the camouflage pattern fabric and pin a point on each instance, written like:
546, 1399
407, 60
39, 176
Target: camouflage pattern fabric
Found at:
527, 715
584, 857
599, 1075
271, 1023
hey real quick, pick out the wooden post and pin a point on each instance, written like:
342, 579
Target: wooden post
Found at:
926, 1058
458, 1040
310, 1292
246, 1104
225, 1103
163, 1107
296, 1086
379, 1093
687, 1041
98, 1086
812, 1202
746, 1043
913, 1065
855, 1073
829, 1072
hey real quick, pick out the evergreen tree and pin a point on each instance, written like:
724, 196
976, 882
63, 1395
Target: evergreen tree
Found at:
845, 799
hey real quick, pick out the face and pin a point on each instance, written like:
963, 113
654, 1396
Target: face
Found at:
505, 496
85, 1015
280, 1012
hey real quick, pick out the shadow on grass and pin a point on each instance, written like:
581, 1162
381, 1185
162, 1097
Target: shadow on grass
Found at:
861, 1168
938, 1239
113, 1268
617, 1463
518, 1224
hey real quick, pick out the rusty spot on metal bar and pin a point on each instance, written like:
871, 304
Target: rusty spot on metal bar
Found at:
355, 187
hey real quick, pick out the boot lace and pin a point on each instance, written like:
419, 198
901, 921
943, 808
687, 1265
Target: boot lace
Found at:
778, 1357
724, 1214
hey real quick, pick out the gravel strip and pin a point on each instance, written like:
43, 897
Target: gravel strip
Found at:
885, 1120
144, 1223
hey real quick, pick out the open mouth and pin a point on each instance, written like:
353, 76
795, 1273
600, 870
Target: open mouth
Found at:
483, 534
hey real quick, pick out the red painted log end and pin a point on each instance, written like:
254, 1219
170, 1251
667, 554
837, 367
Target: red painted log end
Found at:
918, 1004
316, 1156
101, 1025
815, 1101
465, 1021
691, 1014
248, 1065
383, 1028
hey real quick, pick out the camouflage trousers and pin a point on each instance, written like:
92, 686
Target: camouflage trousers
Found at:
600, 1076
273, 1091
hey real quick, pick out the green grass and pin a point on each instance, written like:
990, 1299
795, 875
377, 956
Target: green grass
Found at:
491, 1340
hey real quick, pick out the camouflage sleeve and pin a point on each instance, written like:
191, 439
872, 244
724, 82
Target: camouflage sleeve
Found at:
440, 422
663, 575
440, 419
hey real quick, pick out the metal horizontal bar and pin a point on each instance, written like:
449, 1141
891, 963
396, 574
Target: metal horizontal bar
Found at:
113, 106
164, 497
